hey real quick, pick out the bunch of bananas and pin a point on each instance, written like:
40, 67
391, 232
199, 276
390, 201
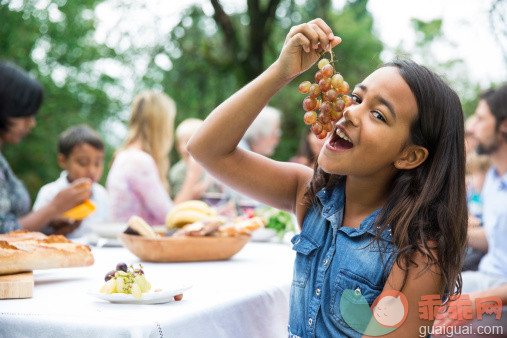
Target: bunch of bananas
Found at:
188, 212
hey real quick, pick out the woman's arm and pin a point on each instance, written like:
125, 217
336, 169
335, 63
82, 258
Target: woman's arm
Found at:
214, 145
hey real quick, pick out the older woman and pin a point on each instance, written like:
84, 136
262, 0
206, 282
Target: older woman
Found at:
20, 99
264, 134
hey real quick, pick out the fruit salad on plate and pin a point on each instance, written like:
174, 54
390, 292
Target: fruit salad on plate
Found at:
126, 280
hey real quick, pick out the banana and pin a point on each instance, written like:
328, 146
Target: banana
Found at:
189, 212
186, 216
193, 204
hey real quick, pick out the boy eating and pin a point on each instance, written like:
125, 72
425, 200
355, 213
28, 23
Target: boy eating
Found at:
81, 156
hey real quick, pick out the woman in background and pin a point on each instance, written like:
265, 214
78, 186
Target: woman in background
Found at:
137, 181
20, 99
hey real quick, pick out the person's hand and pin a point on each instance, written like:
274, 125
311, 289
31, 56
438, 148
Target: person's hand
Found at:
75, 194
303, 46
64, 226
459, 305
194, 173
194, 170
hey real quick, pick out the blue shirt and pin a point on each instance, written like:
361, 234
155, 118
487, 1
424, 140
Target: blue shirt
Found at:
331, 259
494, 216
14, 198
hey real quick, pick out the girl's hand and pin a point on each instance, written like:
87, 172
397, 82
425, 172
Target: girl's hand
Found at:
303, 46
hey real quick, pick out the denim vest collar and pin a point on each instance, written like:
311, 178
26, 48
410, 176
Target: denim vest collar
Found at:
332, 205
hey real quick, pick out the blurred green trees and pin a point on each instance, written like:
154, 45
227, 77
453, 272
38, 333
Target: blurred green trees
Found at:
208, 55
54, 41
212, 57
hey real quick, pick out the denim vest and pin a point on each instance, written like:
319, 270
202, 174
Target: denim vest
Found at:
330, 259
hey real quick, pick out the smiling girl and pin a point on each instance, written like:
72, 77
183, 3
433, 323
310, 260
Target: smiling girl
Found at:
384, 209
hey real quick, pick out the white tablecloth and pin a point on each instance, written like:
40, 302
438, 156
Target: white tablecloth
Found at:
246, 296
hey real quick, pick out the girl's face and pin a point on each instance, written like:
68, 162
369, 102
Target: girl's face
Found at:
377, 127
19, 128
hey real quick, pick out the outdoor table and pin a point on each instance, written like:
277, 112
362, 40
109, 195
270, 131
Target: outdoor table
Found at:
245, 296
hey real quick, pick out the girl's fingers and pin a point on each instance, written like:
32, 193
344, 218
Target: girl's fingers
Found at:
307, 31
336, 41
333, 40
325, 28
301, 40
323, 38
314, 35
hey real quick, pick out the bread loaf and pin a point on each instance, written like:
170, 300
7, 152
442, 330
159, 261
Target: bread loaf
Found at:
26, 251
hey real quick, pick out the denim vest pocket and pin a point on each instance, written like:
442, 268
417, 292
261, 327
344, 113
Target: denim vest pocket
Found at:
305, 253
348, 280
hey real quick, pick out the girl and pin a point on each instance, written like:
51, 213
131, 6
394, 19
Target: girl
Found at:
137, 182
385, 208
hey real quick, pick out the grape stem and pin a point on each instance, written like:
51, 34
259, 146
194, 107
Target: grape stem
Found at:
332, 56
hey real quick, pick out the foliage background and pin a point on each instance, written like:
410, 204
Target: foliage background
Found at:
210, 57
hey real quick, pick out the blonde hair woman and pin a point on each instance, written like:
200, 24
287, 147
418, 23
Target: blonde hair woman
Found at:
137, 181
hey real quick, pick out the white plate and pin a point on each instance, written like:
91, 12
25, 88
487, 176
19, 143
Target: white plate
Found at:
263, 235
109, 230
151, 297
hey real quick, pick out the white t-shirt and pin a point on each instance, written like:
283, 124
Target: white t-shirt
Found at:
99, 198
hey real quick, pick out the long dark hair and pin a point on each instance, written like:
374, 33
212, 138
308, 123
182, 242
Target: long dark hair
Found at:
426, 204
20, 94
304, 147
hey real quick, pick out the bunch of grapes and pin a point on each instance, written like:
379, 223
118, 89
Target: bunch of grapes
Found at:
328, 94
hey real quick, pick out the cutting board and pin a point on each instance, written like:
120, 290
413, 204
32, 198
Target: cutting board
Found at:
18, 285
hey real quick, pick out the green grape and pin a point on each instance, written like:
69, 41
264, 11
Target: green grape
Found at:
310, 103
314, 90
310, 117
337, 81
304, 87
325, 84
317, 128
327, 71
331, 95
322, 63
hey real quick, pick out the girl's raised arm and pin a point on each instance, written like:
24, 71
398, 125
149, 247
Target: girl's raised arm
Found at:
214, 145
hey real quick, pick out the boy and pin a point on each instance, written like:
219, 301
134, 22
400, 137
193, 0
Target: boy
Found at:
81, 156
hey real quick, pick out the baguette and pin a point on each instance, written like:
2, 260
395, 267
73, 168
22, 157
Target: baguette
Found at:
26, 251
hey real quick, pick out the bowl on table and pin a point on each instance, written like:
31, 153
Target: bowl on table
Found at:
184, 248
